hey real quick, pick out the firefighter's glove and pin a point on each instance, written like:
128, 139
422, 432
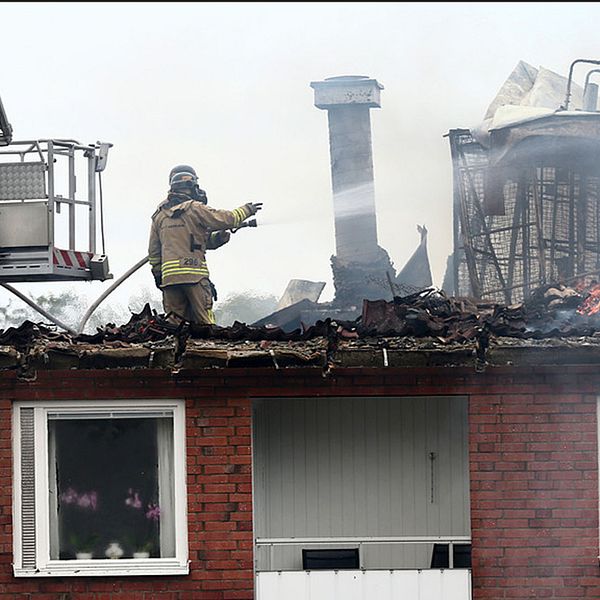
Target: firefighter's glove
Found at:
254, 207
157, 280
213, 291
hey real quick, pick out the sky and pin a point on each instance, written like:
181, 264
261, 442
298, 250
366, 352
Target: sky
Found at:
225, 87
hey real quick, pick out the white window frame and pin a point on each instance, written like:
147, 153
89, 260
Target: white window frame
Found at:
44, 565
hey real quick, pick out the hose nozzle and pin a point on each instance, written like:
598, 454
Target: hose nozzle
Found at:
251, 223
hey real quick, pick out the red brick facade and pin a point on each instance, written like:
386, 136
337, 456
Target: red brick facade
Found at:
533, 457
534, 489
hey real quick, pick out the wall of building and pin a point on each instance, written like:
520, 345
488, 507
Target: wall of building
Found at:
218, 483
534, 487
534, 472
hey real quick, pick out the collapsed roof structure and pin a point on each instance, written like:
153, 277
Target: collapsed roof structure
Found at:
527, 188
427, 328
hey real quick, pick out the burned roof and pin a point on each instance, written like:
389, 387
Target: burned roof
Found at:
425, 328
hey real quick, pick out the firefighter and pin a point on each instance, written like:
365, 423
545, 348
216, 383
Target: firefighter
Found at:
183, 228
217, 238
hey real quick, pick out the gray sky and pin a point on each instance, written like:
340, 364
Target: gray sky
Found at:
225, 87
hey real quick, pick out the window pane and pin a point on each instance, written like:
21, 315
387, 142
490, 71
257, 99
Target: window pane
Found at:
111, 487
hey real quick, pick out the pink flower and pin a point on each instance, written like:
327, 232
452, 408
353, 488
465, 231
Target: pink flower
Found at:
87, 500
153, 512
70, 496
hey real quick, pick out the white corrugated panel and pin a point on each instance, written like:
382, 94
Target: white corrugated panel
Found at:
434, 584
336, 467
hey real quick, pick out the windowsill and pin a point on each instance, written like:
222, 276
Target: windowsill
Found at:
101, 567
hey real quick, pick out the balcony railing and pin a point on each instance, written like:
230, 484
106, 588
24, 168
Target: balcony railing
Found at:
272, 545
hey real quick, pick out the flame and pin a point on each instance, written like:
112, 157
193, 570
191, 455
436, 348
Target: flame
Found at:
591, 305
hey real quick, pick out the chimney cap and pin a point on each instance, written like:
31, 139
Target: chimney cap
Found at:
347, 90
346, 78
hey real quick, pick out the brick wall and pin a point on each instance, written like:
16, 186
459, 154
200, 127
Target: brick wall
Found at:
220, 497
533, 454
534, 493
219, 488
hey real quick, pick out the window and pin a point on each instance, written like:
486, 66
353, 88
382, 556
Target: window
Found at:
99, 488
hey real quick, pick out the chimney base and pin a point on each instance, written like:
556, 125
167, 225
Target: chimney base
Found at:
355, 282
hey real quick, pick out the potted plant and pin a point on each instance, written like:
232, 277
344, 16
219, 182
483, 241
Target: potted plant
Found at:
80, 534
145, 518
83, 545
143, 549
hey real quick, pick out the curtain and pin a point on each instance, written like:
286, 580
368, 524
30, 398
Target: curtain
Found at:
53, 493
166, 487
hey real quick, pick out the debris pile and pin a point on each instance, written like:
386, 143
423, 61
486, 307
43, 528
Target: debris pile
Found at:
551, 311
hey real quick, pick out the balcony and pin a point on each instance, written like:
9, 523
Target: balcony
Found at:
428, 582
413, 584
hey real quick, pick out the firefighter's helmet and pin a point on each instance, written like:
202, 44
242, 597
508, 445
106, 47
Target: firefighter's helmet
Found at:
182, 169
183, 180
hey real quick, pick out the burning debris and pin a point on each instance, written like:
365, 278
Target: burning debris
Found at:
591, 305
552, 311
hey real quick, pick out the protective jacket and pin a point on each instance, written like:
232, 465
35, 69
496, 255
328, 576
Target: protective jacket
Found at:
181, 233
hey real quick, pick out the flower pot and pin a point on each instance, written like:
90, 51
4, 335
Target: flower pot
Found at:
114, 550
83, 555
141, 555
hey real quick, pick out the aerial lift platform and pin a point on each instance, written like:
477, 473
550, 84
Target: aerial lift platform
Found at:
38, 180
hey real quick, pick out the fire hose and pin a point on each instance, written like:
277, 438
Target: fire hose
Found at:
35, 306
131, 271
114, 286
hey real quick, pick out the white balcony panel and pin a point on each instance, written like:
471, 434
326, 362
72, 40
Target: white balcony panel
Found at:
427, 584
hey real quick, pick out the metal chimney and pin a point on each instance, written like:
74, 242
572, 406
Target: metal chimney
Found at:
347, 100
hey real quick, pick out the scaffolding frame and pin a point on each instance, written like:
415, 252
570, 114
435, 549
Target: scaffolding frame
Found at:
549, 230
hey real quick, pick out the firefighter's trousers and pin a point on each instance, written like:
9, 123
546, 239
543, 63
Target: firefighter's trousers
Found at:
190, 301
